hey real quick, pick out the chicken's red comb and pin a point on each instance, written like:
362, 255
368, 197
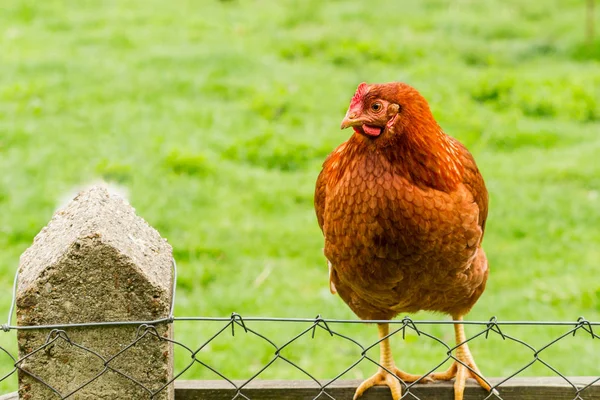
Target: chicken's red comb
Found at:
360, 92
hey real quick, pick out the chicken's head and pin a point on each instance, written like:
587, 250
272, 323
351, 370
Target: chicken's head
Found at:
386, 109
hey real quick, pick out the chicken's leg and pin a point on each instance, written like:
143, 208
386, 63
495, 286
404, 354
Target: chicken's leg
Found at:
458, 370
383, 377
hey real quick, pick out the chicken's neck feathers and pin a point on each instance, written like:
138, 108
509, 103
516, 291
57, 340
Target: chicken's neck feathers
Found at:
425, 159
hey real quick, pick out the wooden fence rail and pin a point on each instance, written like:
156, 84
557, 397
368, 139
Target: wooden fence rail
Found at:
540, 388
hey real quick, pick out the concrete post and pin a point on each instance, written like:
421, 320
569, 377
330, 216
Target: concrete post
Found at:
96, 261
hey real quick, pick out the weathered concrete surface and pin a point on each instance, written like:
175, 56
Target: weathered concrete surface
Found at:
96, 261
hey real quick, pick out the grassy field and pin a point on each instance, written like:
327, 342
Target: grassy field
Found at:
215, 116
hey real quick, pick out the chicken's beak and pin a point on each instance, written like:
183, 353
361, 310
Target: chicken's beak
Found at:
350, 120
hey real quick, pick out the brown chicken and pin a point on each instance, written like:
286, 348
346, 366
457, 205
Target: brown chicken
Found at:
403, 207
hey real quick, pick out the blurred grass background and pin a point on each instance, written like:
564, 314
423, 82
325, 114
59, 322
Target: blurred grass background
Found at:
215, 116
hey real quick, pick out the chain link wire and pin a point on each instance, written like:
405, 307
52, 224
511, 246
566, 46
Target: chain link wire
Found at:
147, 330
60, 337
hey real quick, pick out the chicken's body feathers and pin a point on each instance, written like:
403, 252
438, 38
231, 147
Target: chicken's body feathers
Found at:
397, 242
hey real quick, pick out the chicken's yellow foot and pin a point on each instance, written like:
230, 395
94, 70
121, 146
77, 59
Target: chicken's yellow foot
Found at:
383, 377
459, 370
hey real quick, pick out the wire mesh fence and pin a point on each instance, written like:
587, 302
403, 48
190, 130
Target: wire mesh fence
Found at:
59, 339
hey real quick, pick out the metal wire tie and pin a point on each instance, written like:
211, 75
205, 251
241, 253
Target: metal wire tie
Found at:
407, 321
493, 323
237, 319
318, 321
585, 325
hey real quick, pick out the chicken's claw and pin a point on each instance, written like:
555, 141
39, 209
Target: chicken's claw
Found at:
393, 381
388, 374
382, 377
463, 366
461, 372
410, 378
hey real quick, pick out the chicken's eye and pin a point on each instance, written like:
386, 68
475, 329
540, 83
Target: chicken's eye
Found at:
376, 106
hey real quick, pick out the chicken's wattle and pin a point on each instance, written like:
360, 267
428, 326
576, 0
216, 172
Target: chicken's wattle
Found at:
371, 130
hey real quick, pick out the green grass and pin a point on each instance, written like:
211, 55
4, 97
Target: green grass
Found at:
216, 116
